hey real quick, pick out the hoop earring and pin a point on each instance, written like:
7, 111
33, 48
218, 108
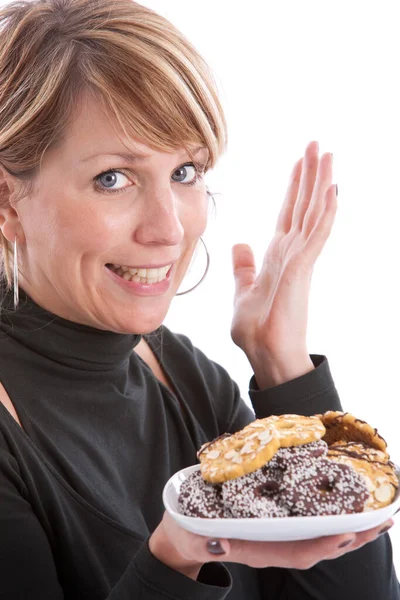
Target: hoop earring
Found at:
204, 274
15, 283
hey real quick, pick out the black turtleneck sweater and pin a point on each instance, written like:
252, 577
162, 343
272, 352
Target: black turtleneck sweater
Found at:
81, 482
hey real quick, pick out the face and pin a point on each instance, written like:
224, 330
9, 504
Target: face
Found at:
106, 240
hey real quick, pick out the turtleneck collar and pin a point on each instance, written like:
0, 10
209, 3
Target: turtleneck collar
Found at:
66, 342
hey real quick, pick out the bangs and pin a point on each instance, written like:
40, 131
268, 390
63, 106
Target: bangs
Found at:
160, 103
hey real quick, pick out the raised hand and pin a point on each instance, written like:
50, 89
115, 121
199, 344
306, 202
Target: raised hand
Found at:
271, 308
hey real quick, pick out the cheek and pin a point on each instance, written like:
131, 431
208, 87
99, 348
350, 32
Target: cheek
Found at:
194, 218
65, 229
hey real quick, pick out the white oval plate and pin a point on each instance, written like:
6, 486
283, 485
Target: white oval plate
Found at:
282, 529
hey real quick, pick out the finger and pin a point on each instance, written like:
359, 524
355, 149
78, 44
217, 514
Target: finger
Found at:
301, 554
244, 267
193, 547
307, 180
370, 535
322, 182
322, 228
285, 216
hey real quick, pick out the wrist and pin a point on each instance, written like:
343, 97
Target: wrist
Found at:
161, 548
272, 372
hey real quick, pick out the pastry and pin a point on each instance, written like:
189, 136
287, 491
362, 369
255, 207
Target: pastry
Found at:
231, 456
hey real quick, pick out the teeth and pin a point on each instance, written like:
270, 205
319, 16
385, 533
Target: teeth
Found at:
151, 274
148, 276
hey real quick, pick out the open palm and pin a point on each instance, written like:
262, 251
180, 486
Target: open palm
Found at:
271, 308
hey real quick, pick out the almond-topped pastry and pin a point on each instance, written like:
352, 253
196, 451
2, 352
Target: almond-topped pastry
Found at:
378, 472
296, 430
230, 456
359, 450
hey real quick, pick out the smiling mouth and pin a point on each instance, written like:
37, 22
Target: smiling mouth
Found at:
140, 275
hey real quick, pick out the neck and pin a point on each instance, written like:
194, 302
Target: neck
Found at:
60, 340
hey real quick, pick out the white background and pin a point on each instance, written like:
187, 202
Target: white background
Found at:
290, 72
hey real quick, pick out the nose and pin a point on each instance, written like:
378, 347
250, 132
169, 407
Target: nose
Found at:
160, 222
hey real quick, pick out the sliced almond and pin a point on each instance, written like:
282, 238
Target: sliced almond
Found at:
370, 485
247, 449
384, 493
213, 454
265, 436
230, 454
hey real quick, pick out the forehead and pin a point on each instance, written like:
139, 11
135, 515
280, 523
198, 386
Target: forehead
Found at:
94, 132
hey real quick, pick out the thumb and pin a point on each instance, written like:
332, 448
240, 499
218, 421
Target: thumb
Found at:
244, 267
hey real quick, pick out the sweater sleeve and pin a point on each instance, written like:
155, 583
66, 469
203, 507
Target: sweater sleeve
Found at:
308, 394
367, 573
28, 570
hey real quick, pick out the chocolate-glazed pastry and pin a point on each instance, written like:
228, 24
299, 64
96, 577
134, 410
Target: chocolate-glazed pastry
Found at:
322, 487
198, 498
255, 495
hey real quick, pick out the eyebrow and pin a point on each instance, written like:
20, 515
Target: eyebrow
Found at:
130, 157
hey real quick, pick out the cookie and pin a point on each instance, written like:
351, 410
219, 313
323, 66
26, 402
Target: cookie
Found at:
197, 498
295, 430
295, 455
321, 487
343, 426
233, 455
360, 451
253, 495
379, 474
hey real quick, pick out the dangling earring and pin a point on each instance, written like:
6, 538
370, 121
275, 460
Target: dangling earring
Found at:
204, 274
16, 294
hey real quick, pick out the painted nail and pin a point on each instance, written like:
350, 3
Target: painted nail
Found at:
215, 547
384, 530
345, 543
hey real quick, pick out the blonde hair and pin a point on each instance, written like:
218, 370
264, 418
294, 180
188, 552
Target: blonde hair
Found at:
139, 66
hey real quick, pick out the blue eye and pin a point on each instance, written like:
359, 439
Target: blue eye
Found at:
183, 171
108, 178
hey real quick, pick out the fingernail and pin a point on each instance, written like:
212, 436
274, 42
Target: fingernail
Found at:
345, 543
337, 191
215, 547
384, 530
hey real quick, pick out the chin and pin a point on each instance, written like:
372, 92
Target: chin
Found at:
141, 324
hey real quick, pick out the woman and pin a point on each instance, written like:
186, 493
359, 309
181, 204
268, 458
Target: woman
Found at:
97, 411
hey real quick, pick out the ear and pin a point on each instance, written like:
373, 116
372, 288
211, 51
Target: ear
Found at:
10, 223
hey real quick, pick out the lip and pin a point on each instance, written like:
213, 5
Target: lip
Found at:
142, 289
158, 266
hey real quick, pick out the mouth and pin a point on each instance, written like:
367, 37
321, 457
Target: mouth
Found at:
139, 274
